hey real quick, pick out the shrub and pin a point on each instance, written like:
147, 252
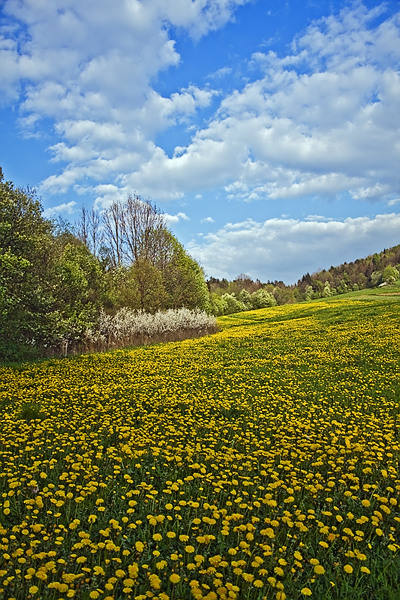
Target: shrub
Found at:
128, 327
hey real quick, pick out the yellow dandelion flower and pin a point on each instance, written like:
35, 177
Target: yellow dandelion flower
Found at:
365, 570
348, 568
120, 573
33, 589
139, 546
319, 569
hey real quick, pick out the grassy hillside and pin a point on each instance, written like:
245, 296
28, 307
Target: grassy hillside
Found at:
260, 462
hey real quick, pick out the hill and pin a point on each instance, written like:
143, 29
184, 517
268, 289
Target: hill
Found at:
259, 462
243, 293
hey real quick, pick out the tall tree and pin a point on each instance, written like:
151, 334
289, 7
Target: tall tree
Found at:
89, 230
25, 259
153, 264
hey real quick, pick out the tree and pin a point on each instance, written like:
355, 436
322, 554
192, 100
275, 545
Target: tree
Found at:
160, 273
150, 285
25, 259
89, 230
245, 297
262, 299
133, 230
232, 304
183, 278
79, 288
390, 274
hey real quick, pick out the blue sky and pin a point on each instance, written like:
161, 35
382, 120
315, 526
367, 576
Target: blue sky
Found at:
267, 130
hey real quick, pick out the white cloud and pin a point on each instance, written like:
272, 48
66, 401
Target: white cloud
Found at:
220, 73
172, 219
89, 67
65, 208
207, 220
285, 249
321, 121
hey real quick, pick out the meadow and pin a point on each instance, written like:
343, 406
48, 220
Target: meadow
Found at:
261, 462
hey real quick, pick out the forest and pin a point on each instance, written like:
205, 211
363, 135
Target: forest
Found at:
243, 293
59, 283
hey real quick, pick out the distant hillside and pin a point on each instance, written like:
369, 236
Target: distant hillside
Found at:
243, 293
372, 271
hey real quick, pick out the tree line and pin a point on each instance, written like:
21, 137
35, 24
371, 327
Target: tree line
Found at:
55, 280
243, 293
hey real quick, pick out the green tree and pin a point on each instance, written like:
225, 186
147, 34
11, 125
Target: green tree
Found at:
390, 274
184, 279
25, 257
245, 297
218, 306
152, 293
233, 305
262, 299
79, 289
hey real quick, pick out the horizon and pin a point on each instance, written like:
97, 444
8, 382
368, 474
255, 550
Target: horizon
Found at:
266, 132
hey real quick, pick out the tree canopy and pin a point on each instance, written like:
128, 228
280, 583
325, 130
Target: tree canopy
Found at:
55, 281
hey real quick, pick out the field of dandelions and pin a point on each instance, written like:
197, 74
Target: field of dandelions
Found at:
261, 462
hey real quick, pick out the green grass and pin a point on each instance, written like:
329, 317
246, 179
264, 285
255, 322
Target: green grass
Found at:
258, 463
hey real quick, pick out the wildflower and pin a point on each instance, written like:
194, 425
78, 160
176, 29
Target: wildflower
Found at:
120, 573
33, 589
174, 578
365, 570
139, 546
348, 568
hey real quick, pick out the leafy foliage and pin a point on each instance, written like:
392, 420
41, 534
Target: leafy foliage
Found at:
242, 293
54, 284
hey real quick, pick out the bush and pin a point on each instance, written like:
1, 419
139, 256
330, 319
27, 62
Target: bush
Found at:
132, 328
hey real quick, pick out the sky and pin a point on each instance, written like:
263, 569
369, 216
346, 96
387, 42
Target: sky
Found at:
268, 131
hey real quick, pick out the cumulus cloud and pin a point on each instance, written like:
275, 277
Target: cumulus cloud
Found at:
89, 66
67, 208
321, 121
285, 249
173, 219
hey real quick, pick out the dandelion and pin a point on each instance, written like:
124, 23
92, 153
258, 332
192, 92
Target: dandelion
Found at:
174, 578
139, 546
348, 568
319, 570
33, 589
120, 573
